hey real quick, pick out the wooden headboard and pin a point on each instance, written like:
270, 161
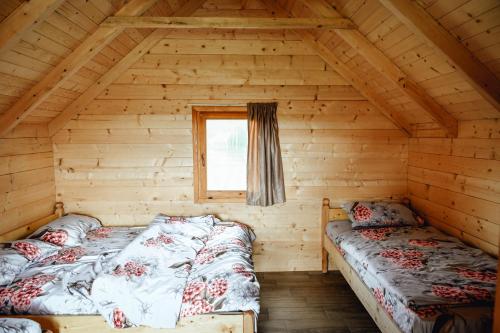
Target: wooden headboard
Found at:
27, 229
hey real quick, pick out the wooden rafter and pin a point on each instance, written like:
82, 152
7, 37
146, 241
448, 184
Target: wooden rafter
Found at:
67, 67
389, 69
424, 25
228, 23
78, 105
356, 81
22, 19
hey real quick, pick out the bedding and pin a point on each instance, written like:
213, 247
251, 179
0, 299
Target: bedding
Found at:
365, 214
69, 230
90, 278
19, 325
152, 269
15, 256
60, 284
422, 277
222, 278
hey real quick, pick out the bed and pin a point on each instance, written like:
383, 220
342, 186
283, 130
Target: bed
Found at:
379, 265
112, 241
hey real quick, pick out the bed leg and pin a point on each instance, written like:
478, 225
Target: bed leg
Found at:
324, 261
248, 322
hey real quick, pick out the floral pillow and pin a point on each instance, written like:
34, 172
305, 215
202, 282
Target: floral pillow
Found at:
197, 226
69, 230
14, 259
364, 214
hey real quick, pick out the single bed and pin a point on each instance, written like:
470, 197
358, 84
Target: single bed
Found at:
393, 272
109, 242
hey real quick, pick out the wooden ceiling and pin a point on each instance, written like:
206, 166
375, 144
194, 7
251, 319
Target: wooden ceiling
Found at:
55, 57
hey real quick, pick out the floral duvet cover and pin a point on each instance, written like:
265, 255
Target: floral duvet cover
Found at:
423, 278
154, 267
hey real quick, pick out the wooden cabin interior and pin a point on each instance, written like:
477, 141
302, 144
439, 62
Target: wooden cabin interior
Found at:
376, 100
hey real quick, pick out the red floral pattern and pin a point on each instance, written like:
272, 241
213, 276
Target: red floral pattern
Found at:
28, 250
480, 294
378, 234
99, 233
217, 287
240, 269
131, 268
56, 237
66, 256
161, 239
193, 291
118, 318
21, 298
176, 220
484, 276
204, 258
449, 292
37, 280
380, 298
404, 258
427, 312
24, 291
196, 307
362, 213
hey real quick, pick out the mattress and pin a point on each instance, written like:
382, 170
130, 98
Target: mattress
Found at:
414, 307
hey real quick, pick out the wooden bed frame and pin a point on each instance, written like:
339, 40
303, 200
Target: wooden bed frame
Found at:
376, 311
233, 322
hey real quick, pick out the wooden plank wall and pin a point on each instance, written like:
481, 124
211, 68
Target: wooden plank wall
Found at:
27, 187
455, 183
129, 156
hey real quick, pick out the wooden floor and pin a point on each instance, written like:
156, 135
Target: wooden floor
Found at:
310, 302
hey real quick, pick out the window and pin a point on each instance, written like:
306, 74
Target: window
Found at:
220, 154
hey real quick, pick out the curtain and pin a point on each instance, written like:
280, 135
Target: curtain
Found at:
265, 181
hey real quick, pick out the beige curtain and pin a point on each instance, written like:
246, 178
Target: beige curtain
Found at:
265, 181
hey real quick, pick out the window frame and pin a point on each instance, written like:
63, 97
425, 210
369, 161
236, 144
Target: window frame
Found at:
199, 116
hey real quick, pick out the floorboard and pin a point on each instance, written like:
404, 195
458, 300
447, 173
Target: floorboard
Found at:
310, 302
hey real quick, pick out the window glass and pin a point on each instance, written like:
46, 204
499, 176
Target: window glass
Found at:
226, 145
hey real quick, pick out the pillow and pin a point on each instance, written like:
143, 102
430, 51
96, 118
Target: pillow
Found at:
364, 214
69, 230
195, 226
15, 258
11, 264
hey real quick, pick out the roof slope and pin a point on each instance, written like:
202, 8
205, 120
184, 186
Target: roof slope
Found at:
475, 23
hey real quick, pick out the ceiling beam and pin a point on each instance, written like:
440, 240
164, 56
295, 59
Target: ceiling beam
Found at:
389, 69
355, 80
22, 19
78, 105
92, 45
228, 23
424, 25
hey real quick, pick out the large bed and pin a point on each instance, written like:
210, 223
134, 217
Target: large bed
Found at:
223, 259
412, 278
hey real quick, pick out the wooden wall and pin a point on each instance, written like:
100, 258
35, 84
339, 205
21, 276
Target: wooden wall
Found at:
27, 188
455, 183
129, 156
